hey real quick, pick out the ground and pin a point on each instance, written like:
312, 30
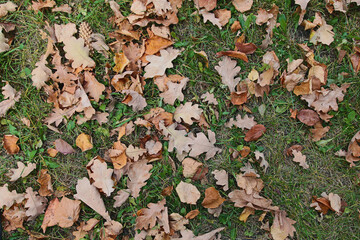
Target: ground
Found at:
288, 185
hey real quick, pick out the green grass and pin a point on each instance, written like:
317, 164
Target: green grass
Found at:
288, 185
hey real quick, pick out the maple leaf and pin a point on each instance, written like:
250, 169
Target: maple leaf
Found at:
282, 226
174, 91
159, 64
208, 16
46, 188
89, 194
21, 171
149, 216
300, 158
35, 205
187, 112
222, 178
10, 144
139, 173
187, 193
121, 197
190, 167
93, 87
177, 138
7, 7
101, 175
244, 123
77, 52
212, 198
8, 198
201, 144
135, 100
11, 96
242, 5
228, 70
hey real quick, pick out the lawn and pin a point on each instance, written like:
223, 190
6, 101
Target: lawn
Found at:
288, 185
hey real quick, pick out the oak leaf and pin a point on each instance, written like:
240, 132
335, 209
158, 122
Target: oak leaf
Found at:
10, 144
189, 235
308, 117
21, 171
149, 216
7, 7
207, 4
209, 98
8, 198
303, 3
46, 188
63, 8
121, 61
35, 204
250, 183
156, 43
36, 6
282, 226
77, 52
212, 198
318, 131
242, 5
13, 218
135, 100
244, 123
4, 42
93, 87
255, 201
300, 158
187, 193
89, 194
228, 70
187, 113
101, 176
84, 228
178, 138
323, 35
201, 144
121, 197
223, 15
139, 173
135, 152
222, 178
174, 91
159, 64
208, 16
11, 96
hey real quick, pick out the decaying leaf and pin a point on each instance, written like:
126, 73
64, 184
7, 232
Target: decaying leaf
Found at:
10, 144
8, 198
187, 192
212, 198
35, 205
282, 226
148, 216
46, 188
21, 171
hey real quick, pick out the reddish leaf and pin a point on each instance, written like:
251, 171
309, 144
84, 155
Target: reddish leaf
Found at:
255, 133
308, 117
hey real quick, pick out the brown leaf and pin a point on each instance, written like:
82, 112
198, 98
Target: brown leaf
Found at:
222, 178
178, 138
247, 48
21, 171
200, 173
35, 204
239, 98
167, 191
244, 123
139, 173
63, 8
89, 194
282, 226
101, 176
63, 147
187, 192
121, 197
255, 201
207, 4
242, 5
208, 16
246, 213
190, 167
7, 7
293, 147
13, 218
201, 144
192, 214
212, 198
174, 91
209, 98
46, 188
11, 96
135, 100
187, 113
235, 26
10, 144
93, 87
308, 117
250, 183
84, 142
228, 70
148, 216
155, 44
223, 15
8, 198
255, 133
233, 54
83, 229
111, 230
300, 158
319, 131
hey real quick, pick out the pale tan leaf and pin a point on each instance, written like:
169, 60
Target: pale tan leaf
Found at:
40, 74
4, 46
153, 147
77, 52
149, 216
187, 192
255, 201
250, 183
159, 64
282, 226
189, 235
135, 152
223, 15
264, 164
93, 87
335, 202
11, 96
209, 97
89, 194
187, 113
35, 204
208, 16
7, 7
303, 3
13, 218
178, 138
21, 171
201, 144
242, 5
8, 198
323, 35
101, 176
174, 91
137, 102
222, 178
64, 31
300, 158
63, 8
228, 70
139, 173
190, 167
36, 6
244, 123
121, 197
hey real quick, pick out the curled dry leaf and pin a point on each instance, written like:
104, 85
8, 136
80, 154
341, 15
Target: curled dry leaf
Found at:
233, 54
212, 198
192, 214
46, 188
89, 194
21, 171
296, 147
187, 192
255, 133
353, 152
10, 144
84, 142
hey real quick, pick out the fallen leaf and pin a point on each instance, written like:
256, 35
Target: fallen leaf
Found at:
242, 5
84, 228
178, 139
89, 194
135, 100
121, 62
63, 8
190, 167
282, 226
77, 52
233, 54
93, 87
84, 142
222, 178
121, 197
192, 214
13, 218
35, 204
300, 158
187, 113
11, 96
208, 16
148, 216
189, 235
255, 133
209, 98
8, 198
101, 176
167, 191
212, 198
296, 147
319, 131
139, 173
244, 123
174, 91
308, 117
63, 147
201, 144
255, 201
10, 144
207, 4
21, 171
246, 213
235, 26
111, 230
44, 179
228, 70
187, 193
156, 43
36, 6
250, 183
323, 34
159, 64
7, 7
223, 15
